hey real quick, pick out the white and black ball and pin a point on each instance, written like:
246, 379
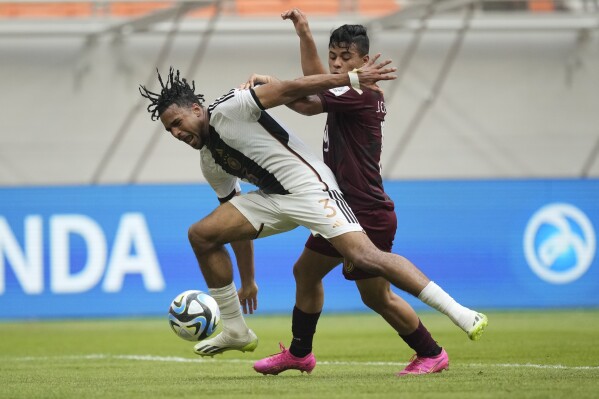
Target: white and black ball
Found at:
193, 315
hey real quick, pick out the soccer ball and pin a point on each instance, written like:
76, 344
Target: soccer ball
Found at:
193, 315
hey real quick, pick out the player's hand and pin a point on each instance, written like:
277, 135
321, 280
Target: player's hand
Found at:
372, 72
248, 297
300, 22
256, 79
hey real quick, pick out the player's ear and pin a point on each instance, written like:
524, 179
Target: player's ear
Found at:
366, 58
196, 109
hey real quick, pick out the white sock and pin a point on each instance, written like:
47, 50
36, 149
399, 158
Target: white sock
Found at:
437, 298
230, 310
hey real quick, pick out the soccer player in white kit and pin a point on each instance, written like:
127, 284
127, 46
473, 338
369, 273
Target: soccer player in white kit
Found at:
238, 139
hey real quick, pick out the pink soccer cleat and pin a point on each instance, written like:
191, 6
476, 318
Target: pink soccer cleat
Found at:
426, 365
284, 360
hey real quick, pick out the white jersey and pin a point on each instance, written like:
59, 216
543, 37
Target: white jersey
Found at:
247, 143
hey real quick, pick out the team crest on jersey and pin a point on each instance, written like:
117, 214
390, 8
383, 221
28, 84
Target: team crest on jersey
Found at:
233, 163
337, 91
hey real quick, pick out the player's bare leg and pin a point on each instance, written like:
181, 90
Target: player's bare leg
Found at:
309, 270
377, 295
207, 238
399, 271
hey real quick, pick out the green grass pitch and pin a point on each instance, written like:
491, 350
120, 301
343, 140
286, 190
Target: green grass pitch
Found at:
527, 354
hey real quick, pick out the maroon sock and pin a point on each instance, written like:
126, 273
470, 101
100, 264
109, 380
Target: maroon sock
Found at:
422, 342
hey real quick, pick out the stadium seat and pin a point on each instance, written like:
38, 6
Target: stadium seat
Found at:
46, 10
136, 9
248, 8
377, 8
274, 7
541, 5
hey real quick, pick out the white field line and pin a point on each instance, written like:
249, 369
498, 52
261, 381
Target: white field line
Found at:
173, 359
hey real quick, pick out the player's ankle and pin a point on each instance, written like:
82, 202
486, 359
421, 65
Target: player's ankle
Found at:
299, 351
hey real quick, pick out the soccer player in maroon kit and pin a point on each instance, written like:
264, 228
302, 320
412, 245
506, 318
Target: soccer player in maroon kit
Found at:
352, 147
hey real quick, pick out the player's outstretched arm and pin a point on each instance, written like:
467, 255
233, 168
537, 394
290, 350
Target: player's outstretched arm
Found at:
311, 64
310, 105
278, 92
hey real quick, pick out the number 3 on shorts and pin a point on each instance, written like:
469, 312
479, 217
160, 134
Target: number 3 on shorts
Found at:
326, 206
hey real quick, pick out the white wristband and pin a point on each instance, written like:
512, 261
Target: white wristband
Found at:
354, 80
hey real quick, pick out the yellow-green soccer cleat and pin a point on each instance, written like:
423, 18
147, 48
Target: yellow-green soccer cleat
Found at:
478, 327
222, 343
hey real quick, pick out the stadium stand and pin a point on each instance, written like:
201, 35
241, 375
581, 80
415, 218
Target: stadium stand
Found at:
245, 8
131, 9
15, 10
80, 10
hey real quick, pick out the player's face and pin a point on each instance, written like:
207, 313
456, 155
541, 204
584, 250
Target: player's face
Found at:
345, 59
185, 124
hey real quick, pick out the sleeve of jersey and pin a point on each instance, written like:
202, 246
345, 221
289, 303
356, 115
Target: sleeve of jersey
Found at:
224, 185
239, 105
343, 99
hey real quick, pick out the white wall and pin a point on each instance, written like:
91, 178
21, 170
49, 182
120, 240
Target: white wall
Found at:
521, 104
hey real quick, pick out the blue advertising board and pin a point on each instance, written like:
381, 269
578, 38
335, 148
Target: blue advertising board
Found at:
97, 251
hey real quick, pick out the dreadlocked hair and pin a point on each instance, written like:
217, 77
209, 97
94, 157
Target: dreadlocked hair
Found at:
176, 91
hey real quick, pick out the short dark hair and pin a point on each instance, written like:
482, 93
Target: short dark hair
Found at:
175, 91
346, 35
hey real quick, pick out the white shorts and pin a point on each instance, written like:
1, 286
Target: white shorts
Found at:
325, 213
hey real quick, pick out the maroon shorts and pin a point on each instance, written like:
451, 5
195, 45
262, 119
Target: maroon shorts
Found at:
380, 226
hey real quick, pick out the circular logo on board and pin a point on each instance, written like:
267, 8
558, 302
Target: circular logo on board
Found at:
559, 243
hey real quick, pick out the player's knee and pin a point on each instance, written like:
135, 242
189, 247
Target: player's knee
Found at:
304, 275
194, 235
199, 237
297, 272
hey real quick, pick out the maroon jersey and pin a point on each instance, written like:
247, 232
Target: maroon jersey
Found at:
352, 149
352, 145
